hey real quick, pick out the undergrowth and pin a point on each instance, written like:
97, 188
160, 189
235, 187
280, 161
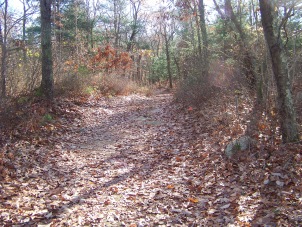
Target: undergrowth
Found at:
194, 91
100, 85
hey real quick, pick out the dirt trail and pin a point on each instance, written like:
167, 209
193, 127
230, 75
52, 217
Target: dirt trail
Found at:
138, 161
112, 169
111, 164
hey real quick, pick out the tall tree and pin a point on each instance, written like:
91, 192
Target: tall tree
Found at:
286, 110
248, 57
167, 30
167, 38
91, 18
117, 21
203, 29
198, 26
113, 15
135, 5
24, 20
30, 7
47, 63
3, 43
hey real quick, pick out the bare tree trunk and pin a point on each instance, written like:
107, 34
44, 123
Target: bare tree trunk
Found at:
3, 42
47, 64
192, 34
117, 19
247, 55
168, 58
24, 29
76, 9
287, 116
198, 30
135, 8
138, 69
203, 29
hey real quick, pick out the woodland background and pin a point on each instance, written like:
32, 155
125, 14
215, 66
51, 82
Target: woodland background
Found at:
233, 67
176, 42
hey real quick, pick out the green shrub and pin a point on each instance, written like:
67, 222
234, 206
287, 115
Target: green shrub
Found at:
89, 90
23, 100
38, 92
47, 118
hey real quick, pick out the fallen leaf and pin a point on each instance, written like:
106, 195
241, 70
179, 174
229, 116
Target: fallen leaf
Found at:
178, 159
193, 200
211, 211
107, 202
225, 206
170, 186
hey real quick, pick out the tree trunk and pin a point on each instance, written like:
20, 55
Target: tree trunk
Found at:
3, 68
286, 110
248, 68
24, 29
204, 34
134, 31
47, 64
198, 30
192, 34
3, 42
116, 22
247, 54
138, 69
168, 57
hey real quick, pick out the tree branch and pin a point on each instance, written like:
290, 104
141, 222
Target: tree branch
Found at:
223, 16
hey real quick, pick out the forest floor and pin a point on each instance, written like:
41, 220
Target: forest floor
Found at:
147, 161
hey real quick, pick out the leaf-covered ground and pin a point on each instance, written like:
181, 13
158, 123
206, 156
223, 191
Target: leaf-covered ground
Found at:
147, 161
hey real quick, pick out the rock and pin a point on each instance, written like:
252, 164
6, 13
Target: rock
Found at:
298, 97
241, 144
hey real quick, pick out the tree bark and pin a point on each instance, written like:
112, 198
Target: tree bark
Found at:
198, 30
3, 43
204, 38
287, 116
47, 62
24, 20
116, 22
248, 57
134, 31
168, 58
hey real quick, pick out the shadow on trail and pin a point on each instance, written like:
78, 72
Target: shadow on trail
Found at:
126, 149
103, 135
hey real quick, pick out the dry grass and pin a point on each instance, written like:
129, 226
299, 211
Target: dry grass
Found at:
194, 92
108, 85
